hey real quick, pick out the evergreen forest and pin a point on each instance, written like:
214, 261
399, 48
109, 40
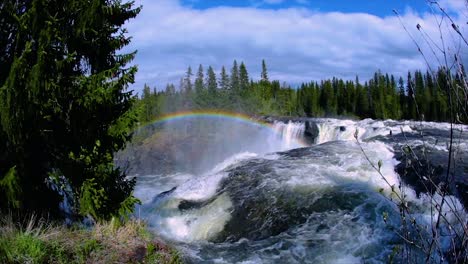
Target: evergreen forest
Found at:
417, 96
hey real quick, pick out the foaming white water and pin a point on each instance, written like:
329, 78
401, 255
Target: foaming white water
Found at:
335, 129
349, 167
204, 186
149, 186
291, 133
233, 160
191, 225
197, 223
209, 206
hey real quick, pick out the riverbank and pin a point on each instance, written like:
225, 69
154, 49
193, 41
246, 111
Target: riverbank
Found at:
38, 241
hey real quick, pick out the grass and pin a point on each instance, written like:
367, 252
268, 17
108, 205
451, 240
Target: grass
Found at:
37, 241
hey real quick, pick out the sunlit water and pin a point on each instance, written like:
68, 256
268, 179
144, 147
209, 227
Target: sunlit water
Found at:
276, 201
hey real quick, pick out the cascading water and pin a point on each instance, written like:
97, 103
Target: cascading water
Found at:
291, 134
320, 204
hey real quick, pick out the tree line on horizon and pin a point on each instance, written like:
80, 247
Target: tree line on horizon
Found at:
419, 96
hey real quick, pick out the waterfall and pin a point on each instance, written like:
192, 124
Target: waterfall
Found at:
291, 134
344, 130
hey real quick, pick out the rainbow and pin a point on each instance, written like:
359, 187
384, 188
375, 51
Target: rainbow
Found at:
216, 114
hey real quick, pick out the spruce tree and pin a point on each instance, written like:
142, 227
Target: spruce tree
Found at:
410, 102
264, 75
199, 85
187, 81
243, 77
431, 93
235, 77
65, 108
420, 95
147, 104
342, 98
224, 79
402, 99
211, 81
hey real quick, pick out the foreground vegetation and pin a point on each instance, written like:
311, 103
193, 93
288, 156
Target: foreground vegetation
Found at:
38, 241
65, 109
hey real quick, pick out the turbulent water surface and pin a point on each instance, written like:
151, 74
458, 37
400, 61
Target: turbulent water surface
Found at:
300, 192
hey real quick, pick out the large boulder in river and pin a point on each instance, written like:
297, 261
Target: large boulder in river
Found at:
311, 131
425, 169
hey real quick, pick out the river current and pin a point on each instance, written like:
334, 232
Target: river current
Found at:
301, 191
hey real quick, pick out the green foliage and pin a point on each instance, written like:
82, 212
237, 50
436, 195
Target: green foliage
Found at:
64, 108
88, 247
11, 188
153, 255
24, 248
381, 97
105, 243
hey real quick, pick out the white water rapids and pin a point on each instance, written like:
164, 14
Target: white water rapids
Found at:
277, 201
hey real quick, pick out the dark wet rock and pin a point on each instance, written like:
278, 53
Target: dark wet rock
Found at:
190, 205
425, 170
423, 166
311, 131
463, 193
163, 194
263, 208
342, 128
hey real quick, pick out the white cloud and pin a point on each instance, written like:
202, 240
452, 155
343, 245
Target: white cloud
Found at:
298, 44
454, 5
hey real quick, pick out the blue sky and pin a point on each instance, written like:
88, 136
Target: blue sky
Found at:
376, 7
300, 40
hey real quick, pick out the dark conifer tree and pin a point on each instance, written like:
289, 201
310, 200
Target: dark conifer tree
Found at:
264, 75
403, 102
64, 104
235, 76
199, 85
411, 113
187, 81
243, 77
224, 80
211, 83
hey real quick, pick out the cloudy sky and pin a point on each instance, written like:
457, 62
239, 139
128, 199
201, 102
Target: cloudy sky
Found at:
301, 40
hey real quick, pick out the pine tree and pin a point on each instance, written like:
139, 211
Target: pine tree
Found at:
420, 95
199, 85
432, 93
211, 81
264, 75
393, 102
342, 98
235, 77
187, 81
327, 98
442, 100
403, 102
65, 110
243, 77
411, 113
170, 89
362, 100
224, 80
147, 104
